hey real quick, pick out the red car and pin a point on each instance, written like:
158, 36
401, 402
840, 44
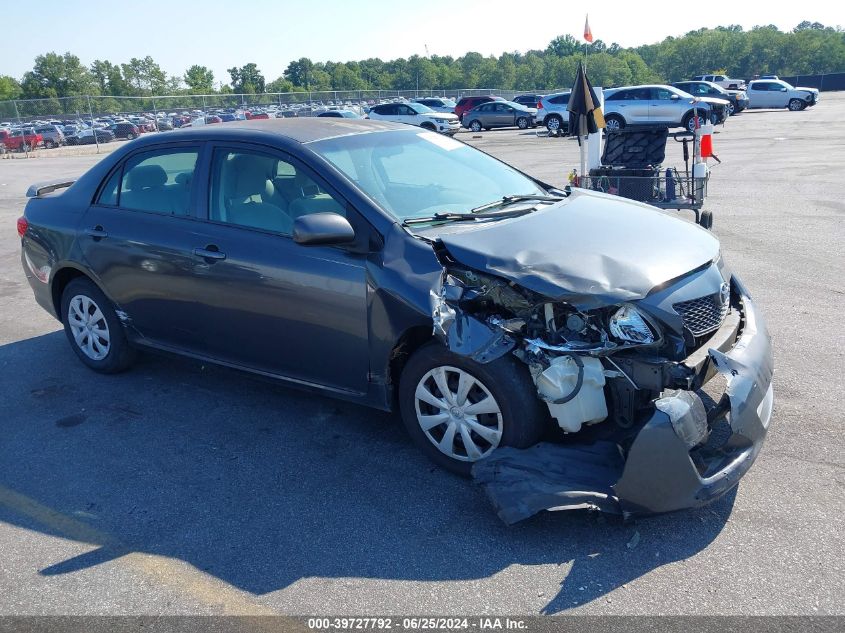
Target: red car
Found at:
257, 115
20, 141
465, 104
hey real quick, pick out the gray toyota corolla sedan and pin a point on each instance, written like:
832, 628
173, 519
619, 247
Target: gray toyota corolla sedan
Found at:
554, 345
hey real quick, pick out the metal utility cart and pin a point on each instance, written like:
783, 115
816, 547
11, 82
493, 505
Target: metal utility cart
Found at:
632, 167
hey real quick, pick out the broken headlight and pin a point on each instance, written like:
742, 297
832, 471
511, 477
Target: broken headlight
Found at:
627, 324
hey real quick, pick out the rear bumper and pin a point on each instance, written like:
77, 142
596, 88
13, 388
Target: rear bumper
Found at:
659, 473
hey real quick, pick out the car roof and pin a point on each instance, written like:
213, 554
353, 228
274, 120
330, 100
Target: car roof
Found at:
300, 130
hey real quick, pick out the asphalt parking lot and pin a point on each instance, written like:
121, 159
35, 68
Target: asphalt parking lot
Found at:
180, 488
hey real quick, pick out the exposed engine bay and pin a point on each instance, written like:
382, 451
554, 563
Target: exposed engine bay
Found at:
621, 386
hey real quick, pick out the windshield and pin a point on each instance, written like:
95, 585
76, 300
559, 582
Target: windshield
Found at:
413, 174
420, 108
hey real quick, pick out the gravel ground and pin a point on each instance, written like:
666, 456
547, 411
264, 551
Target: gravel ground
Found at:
178, 488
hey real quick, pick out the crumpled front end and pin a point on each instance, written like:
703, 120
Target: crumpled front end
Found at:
685, 455
624, 383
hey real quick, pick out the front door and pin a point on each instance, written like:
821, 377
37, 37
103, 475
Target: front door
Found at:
269, 303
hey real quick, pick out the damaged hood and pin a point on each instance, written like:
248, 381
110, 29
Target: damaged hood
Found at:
591, 249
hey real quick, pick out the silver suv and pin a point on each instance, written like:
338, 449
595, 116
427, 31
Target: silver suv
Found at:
551, 111
651, 105
52, 135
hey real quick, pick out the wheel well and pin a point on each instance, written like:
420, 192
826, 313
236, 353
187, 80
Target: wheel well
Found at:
60, 281
410, 341
428, 126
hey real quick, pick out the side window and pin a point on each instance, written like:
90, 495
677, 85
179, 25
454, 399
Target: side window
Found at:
662, 94
640, 94
159, 182
618, 96
109, 192
264, 192
487, 107
560, 99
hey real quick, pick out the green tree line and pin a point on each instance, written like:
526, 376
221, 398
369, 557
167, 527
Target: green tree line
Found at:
809, 48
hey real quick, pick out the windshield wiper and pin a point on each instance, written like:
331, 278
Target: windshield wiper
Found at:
506, 200
464, 217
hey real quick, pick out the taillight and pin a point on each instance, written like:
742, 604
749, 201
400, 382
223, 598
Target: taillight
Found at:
539, 105
23, 225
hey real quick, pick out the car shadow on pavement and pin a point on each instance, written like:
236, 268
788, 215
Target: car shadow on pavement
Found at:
262, 486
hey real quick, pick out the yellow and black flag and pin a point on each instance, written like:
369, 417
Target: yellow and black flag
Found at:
585, 115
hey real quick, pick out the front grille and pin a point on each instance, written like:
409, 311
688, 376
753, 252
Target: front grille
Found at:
703, 315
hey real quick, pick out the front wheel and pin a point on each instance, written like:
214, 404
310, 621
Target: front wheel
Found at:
130, 136
731, 109
459, 411
522, 123
93, 329
796, 104
475, 126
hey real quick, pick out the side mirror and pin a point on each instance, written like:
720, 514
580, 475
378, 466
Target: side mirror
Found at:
675, 97
322, 228
782, 89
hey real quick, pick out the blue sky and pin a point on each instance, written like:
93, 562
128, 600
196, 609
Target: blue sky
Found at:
220, 34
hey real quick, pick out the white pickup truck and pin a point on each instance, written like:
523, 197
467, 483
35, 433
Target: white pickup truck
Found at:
722, 80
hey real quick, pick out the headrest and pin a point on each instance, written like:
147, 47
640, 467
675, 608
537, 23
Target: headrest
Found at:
145, 176
250, 175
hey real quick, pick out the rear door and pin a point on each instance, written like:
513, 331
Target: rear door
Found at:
138, 236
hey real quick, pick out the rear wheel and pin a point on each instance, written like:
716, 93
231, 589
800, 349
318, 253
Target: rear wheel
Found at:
25, 147
475, 126
731, 109
614, 122
48, 144
458, 411
93, 329
554, 123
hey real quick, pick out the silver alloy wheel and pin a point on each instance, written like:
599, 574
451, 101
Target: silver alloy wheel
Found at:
522, 123
731, 108
475, 126
795, 105
612, 125
458, 414
553, 124
89, 327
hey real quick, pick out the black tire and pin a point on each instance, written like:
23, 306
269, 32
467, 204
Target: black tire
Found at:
25, 147
611, 118
554, 123
796, 105
706, 220
130, 136
120, 354
522, 123
688, 124
475, 125
49, 144
524, 417
731, 108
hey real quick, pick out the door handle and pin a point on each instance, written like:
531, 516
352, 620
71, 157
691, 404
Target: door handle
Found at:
97, 232
209, 252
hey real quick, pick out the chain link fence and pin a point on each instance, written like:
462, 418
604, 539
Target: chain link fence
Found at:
25, 111
29, 124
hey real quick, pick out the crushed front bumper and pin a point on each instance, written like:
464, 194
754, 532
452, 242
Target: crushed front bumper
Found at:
658, 473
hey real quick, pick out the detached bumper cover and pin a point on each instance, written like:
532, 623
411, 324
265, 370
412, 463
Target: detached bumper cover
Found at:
659, 473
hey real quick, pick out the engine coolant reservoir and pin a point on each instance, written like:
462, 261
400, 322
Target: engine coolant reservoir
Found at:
560, 379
